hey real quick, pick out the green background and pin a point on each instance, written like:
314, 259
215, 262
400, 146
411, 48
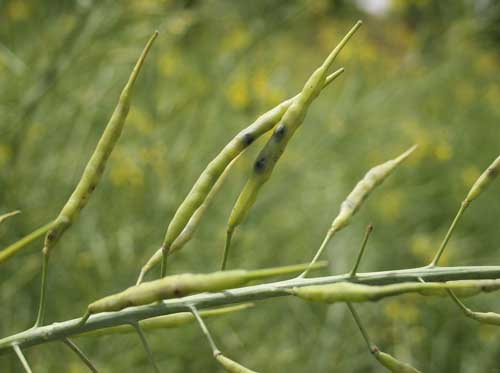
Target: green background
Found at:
424, 72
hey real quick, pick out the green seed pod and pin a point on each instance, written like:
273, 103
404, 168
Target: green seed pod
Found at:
485, 180
393, 364
97, 163
231, 365
370, 181
352, 292
212, 172
187, 233
167, 321
276, 145
8, 215
176, 286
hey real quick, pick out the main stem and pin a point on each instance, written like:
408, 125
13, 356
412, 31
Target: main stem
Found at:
61, 330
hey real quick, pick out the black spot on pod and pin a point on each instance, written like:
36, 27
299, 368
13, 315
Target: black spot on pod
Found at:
279, 132
248, 139
260, 165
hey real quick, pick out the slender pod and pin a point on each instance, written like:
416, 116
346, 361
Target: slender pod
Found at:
176, 286
231, 365
491, 318
351, 292
373, 178
166, 321
206, 181
187, 233
393, 364
481, 184
276, 145
91, 174
9, 215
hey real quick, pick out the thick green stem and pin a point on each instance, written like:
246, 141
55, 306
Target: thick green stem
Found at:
57, 331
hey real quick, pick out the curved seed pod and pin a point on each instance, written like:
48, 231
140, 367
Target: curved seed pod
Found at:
91, 175
374, 177
187, 233
274, 148
167, 321
8, 215
363, 188
97, 162
231, 365
491, 318
485, 180
176, 286
351, 292
393, 364
214, 169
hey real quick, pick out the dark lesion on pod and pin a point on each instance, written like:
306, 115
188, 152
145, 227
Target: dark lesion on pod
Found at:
260, 164
247, 139
279, 132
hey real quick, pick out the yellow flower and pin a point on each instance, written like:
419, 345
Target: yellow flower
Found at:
5, 154
402, 310
443, 152
470, 174
237, 93
390, 204
169, 64
18, 10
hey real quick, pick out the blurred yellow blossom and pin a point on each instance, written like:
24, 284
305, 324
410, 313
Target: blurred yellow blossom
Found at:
169, 63
389, 204
18, 10
235, 40
465, 92
140, 120
443, 151
5, 154
470, 174
403, 310
237, 92
125, 171
488, 333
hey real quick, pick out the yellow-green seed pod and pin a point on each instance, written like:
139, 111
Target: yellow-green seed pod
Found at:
276, 145
485, 180
9, 215
176, 286
214, 169
370, 181
97, 163
352, 292
231, 365
393, 364
167, 321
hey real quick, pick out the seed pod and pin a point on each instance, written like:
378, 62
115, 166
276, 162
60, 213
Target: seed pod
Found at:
370, 181
393, 364
274, 148
352, 292
354, 200
176, 286
167, 321
231, 365
8, 215
97, 163
187, 233
214, 169
485, 180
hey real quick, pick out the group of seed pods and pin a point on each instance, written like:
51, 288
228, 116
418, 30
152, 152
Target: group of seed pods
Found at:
285, 119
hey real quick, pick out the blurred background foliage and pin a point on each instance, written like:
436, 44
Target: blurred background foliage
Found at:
424, 72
